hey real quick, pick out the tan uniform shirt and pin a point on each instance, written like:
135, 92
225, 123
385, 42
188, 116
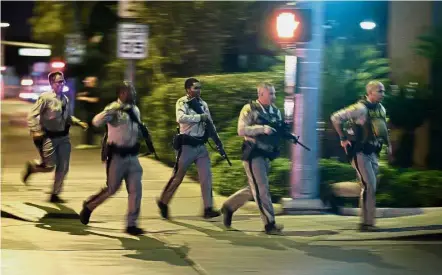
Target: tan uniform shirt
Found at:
122, 131
189, 121
51, 112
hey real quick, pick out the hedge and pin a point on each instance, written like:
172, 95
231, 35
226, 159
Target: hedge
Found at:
226, 94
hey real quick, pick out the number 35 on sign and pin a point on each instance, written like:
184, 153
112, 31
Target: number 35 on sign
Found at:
132, 41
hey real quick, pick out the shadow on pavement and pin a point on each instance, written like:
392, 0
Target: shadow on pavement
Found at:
333, 253
340, 254
144, 247
62, 212
235, 237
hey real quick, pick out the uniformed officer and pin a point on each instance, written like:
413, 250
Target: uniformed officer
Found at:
259, 148
193, 136
362, 140
122, 156
49, 121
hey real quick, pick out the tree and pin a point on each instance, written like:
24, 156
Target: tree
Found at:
188, 38
51, 21
346, 71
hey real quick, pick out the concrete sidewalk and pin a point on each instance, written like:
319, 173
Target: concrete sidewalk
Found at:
45, 238
87, 176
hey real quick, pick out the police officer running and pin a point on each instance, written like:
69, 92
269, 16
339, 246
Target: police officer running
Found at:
362, 141
122, 162
259, 148
49, 121
191, 149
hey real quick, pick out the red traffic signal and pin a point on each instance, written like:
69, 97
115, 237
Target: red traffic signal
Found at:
290, 25
286, 25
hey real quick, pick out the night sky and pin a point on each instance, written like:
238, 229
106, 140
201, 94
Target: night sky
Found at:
17, 13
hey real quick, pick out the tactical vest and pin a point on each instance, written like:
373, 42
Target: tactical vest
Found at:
374, 130
263, 119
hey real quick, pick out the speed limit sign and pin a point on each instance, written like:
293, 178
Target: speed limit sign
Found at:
132, 41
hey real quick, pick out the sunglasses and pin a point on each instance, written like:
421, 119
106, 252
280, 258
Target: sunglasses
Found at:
197, 87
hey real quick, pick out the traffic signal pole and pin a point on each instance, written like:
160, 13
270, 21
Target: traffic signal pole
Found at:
304, 181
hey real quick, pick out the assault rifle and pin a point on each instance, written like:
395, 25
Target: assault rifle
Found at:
210, 128
145, 133
283, 131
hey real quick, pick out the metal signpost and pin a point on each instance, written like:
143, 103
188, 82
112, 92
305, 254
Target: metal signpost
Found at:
132, 38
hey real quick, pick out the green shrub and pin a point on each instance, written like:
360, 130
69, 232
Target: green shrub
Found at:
396, 188
225, 95
417, 189
228, 180
332, 171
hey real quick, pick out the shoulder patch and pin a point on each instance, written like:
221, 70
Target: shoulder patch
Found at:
182, 100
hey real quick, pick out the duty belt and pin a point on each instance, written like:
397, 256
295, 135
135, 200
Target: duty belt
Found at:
123, 151
55, 134
193, 141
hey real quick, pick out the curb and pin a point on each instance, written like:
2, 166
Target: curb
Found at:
389, 212
413, 237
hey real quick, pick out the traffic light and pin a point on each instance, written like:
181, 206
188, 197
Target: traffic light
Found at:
290, 25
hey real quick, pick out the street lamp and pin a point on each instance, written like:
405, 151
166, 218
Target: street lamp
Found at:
367, 25
4, 24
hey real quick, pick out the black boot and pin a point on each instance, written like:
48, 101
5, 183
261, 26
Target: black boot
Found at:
209, 213
56, 199
164, 209
135, 231
273, 228
368, 228
85, 215
227, 216
26, 173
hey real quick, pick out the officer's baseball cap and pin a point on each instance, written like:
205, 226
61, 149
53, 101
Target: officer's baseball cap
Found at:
55, 77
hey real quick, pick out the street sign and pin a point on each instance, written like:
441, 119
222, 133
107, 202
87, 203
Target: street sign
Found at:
132, 41
74, 49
